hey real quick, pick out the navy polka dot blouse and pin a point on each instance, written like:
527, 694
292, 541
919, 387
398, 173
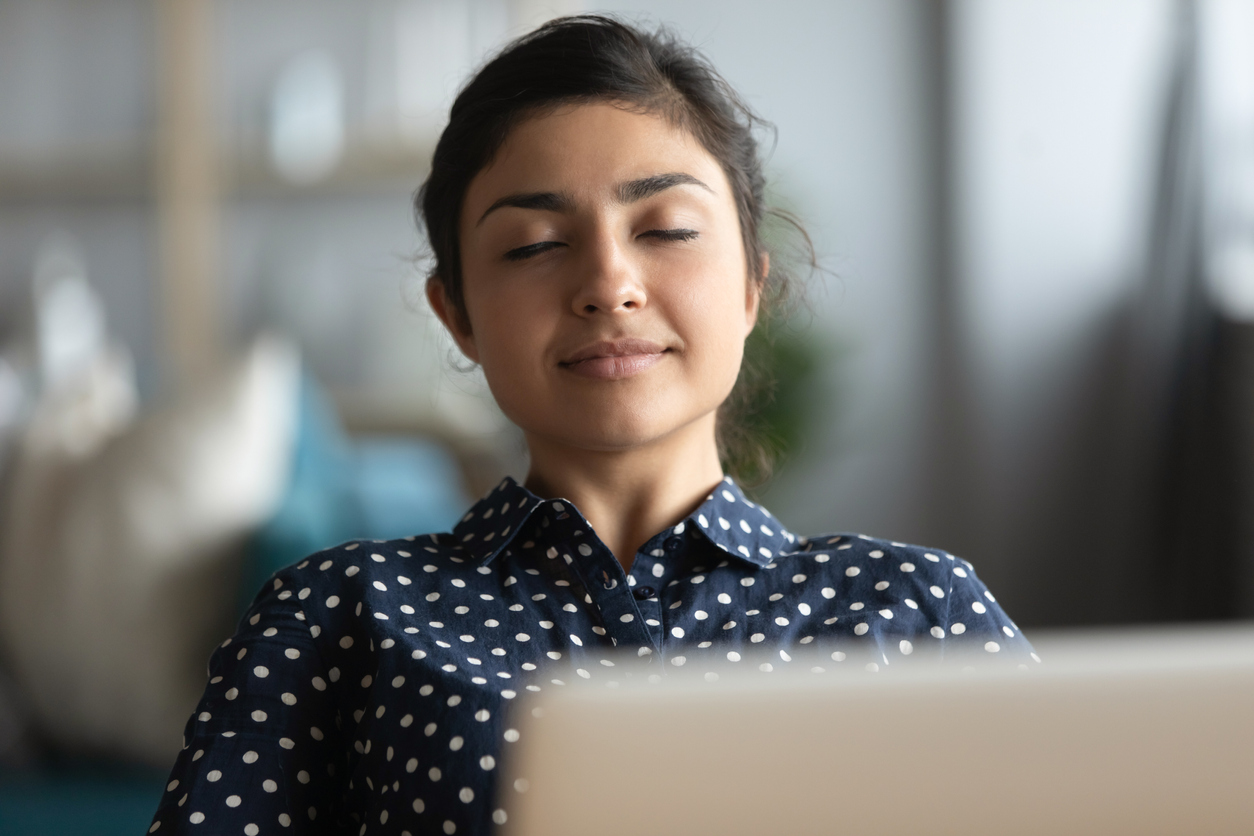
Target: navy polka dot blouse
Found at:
366, 688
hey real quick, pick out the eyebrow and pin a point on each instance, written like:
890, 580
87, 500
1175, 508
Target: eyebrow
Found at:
628, 192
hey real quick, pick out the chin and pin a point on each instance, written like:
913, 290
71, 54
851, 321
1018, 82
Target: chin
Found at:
618, 431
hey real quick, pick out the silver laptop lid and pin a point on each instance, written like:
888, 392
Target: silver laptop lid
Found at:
1145, 732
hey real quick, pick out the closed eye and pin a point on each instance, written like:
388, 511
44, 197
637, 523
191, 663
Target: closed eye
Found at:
521, 253
671, 234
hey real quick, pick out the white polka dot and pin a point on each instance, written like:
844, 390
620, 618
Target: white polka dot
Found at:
978, 607
500, 816
214, 776
250, 757
733, 656
233, 800
907, 567
251, 830
746, 581
285, 819
936, 591
466, 794
781, 621
259, 716
678, 661
1010, 634
269, 785
434, 773
757, 637
906, 647
450, 828
333, 601
677, 632
957, 628
196, 818
419, 805
861, 629
938, 632
992, 647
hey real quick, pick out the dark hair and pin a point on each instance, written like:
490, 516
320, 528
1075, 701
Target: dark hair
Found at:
587, 58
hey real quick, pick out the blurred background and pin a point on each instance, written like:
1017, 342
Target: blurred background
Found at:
1032, 343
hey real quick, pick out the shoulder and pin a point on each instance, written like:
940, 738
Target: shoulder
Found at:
363, 580
934, 582
360, 563
890, 560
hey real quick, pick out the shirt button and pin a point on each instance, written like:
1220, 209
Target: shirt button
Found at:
673, 542
643, 593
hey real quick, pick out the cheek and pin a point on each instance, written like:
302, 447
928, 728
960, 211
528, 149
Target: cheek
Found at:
511, 328
713, 313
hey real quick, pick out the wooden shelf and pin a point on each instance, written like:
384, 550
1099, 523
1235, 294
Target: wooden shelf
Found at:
123, 171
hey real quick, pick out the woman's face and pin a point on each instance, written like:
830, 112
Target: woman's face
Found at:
604, 278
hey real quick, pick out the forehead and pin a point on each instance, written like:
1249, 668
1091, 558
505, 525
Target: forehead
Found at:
586, 150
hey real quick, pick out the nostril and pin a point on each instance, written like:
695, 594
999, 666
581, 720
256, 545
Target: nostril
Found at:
589, 308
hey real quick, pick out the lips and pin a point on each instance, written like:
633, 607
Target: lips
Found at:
614, 359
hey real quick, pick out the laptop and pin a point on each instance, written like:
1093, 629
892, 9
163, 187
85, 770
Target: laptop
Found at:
1140, 732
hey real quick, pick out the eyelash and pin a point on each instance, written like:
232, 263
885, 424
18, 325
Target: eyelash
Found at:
522, 253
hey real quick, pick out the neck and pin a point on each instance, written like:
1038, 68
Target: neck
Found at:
630, 495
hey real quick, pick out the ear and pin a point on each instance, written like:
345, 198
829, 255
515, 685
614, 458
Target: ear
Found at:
457, 324
753, 295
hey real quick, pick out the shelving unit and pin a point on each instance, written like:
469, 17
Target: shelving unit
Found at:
195, 179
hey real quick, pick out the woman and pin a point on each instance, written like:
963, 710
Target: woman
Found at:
594, 209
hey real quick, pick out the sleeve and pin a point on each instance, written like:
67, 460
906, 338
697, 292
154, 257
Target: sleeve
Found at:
262, 753
977, 624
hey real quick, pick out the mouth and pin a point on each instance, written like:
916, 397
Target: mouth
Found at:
614, 359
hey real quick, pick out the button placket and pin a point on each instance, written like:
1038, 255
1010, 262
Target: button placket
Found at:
606, 582
649, 605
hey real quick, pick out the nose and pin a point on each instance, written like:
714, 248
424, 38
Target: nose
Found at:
609, 282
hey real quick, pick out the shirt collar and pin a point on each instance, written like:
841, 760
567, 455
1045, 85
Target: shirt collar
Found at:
494, 521
743, 529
